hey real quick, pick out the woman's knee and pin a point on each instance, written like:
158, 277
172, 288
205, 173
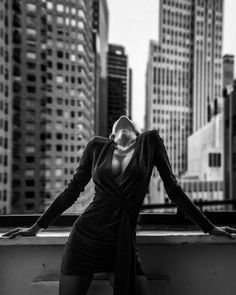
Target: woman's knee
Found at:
74, 284
141, 283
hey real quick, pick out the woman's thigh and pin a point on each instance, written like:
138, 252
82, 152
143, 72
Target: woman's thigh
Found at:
141, 283
74, 284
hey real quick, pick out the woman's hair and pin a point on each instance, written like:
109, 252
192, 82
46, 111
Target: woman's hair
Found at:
136, 129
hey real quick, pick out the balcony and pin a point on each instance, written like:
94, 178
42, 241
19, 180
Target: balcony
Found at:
178, 259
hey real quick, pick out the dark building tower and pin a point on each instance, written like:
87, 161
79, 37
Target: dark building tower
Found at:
228, 70
53, 95
5, 107
229, 143
130, 96
29, 99
229, 128
117, 84
101, 25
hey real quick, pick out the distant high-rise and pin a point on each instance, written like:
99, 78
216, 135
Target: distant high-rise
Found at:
130, 94
228, 70
118, 79
101, 25
152, 121
229, 128
54, 97
187, 73
229, 143
5, 107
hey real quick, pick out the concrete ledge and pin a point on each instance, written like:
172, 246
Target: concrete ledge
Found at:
49, 285
143, 238
195, 263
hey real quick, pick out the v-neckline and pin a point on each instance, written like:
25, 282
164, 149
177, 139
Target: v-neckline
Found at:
129, 164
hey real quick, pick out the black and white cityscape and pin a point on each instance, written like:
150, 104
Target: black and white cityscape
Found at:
62, 81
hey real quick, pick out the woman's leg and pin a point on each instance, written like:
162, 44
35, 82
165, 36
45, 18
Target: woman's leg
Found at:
74, 284
142, 285
141, 281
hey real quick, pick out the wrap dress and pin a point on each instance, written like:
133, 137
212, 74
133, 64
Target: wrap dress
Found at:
103, 237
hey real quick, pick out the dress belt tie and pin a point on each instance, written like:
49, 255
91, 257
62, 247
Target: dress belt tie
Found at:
125, 261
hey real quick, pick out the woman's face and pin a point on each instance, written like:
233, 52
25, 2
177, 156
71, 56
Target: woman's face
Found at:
124, 127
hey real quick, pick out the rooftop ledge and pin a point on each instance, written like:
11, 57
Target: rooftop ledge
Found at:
143, 237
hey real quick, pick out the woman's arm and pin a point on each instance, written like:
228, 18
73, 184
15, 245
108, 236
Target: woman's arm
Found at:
174, 190
72, 191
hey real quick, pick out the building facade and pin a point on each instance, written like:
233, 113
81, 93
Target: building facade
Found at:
101, 25
229, 144
5, 107
118, 84
184, 74
228, 70
203, 181
54, 90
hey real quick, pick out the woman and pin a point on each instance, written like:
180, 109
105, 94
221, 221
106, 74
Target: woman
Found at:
103, 238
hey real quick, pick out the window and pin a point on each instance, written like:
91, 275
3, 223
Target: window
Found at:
80, 25
30, 31
60, 20
31, 55
30, 149
31, 7
49, 5
214, 160
58, 172
60, 79
60, 8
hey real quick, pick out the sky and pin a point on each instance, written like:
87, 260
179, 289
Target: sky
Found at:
132, 23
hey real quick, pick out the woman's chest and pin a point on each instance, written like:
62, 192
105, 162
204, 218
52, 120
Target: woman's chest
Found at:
119, 162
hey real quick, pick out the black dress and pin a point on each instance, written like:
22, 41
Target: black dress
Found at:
103, 238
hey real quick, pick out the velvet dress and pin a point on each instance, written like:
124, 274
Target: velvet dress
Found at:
103, 237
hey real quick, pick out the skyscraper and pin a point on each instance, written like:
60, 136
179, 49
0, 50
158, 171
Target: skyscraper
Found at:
5, 107
229, 143
54, 92
101, 25
118, 79
187, 75
228, 70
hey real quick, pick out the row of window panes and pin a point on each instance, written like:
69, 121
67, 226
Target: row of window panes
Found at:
60, 66
58, 136
203, 186
67, 9
73, 43
177, 32
214, 160
175, 52
66, 101
59, 160
58, 126
177, 4
31, 159
62, 79
70, 22
32, 89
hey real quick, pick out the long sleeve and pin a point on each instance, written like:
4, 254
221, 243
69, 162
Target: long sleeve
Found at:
174, 190
72, 190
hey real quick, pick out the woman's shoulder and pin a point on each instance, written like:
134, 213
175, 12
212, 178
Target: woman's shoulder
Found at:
152, 134
97, 139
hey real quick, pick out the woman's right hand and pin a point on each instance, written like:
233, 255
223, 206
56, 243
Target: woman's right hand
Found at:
32, 231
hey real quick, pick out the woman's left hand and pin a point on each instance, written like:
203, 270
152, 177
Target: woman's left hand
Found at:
224, 231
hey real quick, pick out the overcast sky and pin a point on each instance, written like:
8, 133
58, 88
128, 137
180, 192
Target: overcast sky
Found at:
134, 22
